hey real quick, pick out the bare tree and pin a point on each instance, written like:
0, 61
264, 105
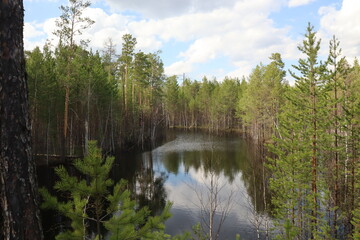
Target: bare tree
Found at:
214, 203
261, 222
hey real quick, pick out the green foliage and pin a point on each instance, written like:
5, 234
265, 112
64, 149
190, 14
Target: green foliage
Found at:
171, 97
289, 230
302, 140
124, 99
262, 98
206, 104
71, 22
87, 198
356, 212
198, 233
93, 87
127, 223
313, 160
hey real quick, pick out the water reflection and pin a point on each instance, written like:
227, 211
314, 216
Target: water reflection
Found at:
181, 171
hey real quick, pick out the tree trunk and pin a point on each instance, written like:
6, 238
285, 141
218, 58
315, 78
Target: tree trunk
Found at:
314, 164
66, 120
20, 218
87, 119
336, 186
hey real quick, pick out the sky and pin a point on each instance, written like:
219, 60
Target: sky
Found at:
212, 38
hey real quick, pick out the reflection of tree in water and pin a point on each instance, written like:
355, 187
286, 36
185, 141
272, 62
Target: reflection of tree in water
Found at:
255, 182
150, 189
224, 162
255, 178
227, 160
230, 157
146, 187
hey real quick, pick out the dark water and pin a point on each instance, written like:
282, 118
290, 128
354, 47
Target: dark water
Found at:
185, 169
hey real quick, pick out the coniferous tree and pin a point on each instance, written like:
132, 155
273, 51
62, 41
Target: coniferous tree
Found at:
312, 102
289, 174
351, 108
204, 102
70, 25
301, 144
228, 97
125, 62
171, 97
356, 211
260, 102
336, 73
88, 197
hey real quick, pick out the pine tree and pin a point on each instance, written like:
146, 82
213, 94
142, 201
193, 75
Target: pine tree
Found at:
351, 107
336, 73
289, 173
19, 214
126, 64
356, 212
88, 197
70, 25
171, 97
299, 149
312, 102
260, 102
127, 223
204, 102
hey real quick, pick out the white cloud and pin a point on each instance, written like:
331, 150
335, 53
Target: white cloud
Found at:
243, 33
199, 184
30, 45
243, 68
49, 27
34, 35
240, 31
42, 0
345, 24
157, 9
32, 30
297, 3
106, 26
178, 68
203, 49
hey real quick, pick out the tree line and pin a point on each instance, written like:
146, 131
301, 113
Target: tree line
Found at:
314, 168
308, 133
123, 99
77, 94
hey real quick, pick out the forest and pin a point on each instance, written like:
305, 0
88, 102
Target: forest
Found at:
307, 133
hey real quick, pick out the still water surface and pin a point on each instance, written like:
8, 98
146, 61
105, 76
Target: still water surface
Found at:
186, 168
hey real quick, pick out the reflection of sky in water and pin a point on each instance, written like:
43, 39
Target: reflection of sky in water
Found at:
181, 187
193, 142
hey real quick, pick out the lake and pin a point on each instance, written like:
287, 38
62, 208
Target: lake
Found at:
197, 172
186, 168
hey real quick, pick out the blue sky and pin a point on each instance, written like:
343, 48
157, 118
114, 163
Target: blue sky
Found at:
208, 37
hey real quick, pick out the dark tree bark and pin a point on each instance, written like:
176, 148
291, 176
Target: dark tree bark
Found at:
20, 218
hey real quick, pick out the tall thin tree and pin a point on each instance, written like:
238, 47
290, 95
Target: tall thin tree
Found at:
71, 23
310, 88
